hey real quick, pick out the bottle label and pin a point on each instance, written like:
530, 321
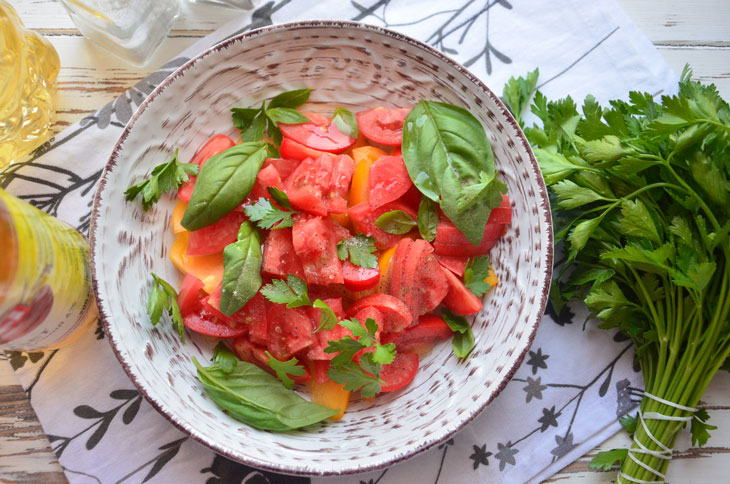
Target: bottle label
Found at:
49, 296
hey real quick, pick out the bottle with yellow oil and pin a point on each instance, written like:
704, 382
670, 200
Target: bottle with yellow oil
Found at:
28, 69
46, 297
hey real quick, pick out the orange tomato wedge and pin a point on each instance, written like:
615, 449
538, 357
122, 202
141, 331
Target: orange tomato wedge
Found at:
360, 187
177, 215
331, 395
207, 268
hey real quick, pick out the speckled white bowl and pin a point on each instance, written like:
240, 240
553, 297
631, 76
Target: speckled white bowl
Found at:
346, 64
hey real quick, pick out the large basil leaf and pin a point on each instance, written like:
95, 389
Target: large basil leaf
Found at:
255, 397
449, 159
241, 269
223, 183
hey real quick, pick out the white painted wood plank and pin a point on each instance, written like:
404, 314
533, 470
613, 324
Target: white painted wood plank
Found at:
709, 65
681, 21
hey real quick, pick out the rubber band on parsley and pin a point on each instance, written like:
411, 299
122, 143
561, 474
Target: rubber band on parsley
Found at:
641, 204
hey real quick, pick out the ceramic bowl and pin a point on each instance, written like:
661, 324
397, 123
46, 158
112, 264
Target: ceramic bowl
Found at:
356, 66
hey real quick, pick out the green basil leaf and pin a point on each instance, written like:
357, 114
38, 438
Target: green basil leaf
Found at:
395, 222
223, 183
224, 358
275, 134
255, 397
290, 99
449, 159
428, 219
241, 270
327, 319
243, 117
346, 122
286, 116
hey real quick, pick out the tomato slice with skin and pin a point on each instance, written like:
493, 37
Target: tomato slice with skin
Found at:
459, 298
451, 242
268, 176
388, 181
290, 331
359, 278
416, 277
382, 125
343, 168
396, 315
214, 238
279, 259
188, 298
400, 372
454, 263
284, 166
422, 336
205, 322
296, 151
319, 134
315, 243
217, 144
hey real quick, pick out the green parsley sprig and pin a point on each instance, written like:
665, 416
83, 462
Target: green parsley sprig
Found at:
285, 368
476, 271
269, 216
163, 178
360, 249
294, 293
641, 192
365, 374
254, 123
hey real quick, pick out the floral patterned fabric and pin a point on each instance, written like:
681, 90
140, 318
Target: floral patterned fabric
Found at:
576, 379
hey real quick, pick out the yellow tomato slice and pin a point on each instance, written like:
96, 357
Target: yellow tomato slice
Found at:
331, 395
177, 215
363, 157
207, 268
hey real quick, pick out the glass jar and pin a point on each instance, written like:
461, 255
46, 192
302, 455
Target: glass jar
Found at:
130, 29
28, 69
46, 296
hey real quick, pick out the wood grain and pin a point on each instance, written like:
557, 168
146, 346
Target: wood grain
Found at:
684, 31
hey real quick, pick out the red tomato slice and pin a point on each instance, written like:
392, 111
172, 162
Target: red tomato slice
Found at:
371, 312
268, 176
342, 169
359, 278
363, 218
320, 369
205, 322
188, 299
319, 134
501, 214
382, 125
296, 151
315, 243
451, 242
284, 166
459, 298
309, 184
396, 315
421, 337
455, 264
290, 331
279, 258
217, 144
388, 180
214, 238
416, 277
400, 373
253, 313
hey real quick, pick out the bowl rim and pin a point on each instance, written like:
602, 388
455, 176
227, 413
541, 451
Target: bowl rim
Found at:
342, 25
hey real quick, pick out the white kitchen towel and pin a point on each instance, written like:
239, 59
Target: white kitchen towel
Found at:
574, 382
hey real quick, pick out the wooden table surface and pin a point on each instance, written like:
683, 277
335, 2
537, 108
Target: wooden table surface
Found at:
694, 31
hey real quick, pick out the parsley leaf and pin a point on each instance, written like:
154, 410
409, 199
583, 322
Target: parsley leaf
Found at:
359, 249
476, 271
267, 215
293, 292
700, 428
162, 179
285, 368
254, 123
518, 92
365, 375
605, 460
163, 296
628, 423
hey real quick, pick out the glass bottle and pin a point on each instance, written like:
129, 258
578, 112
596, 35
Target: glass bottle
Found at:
28, 69
46, 296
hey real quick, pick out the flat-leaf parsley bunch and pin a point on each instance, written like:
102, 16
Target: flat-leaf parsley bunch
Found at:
641, 202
